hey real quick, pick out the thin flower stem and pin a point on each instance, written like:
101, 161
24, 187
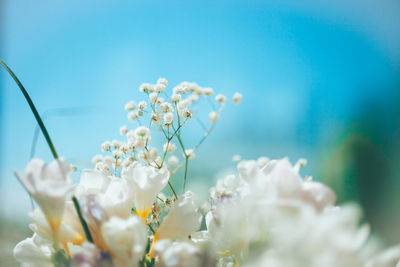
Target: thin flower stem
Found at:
186, 170
173, 190
33, 108
82, 220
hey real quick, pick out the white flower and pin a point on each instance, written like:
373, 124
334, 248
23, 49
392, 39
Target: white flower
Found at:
159, 88
176, 98
173, 161
187, 114
146, 87
33, 251
168, 117
132, 116
190, 153
153, 97
236, 158
166, 107
169, 147
262, 161
49, 186
123, 130
97, 158
182, 220
208, 91
146, 182
142, 105
177, 254
142, 132
213, 116
237, 98
130, 105
220, 98
106, 146
127, 239
162, 81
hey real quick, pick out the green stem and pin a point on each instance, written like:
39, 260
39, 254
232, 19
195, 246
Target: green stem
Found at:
173, 190
186, 170
33, 108
82, 220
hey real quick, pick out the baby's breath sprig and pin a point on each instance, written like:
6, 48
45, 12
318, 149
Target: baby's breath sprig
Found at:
168, 114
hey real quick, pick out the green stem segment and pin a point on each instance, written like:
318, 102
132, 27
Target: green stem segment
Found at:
33, 108
82, 220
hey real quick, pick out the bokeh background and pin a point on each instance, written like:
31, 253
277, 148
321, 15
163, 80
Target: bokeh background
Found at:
320, 80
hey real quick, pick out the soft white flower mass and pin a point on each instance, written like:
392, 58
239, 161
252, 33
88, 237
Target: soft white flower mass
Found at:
126, 212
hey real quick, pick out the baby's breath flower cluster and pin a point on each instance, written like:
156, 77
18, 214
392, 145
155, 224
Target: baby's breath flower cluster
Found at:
264, 214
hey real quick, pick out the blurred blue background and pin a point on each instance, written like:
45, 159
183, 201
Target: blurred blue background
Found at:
320, 80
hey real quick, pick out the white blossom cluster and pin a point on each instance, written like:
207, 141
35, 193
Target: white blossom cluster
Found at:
266, 214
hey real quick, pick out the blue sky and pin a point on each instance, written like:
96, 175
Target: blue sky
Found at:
305, 70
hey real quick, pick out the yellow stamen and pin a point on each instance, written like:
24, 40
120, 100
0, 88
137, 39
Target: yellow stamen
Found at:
143, 214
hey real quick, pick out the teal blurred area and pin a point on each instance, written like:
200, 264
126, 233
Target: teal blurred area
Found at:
320, 80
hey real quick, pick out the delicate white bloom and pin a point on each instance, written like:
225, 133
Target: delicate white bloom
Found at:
142, 105
159, 88
142, 132
173, 161
208, 91
124, 148
123, 130
213, 116
49, 186
168, 117
169, 147
108, 160
33, 251
387, 258
236, 158
182, 220
156, 118
146, 183
127, 239
237, 98
153, 97
159, 101
106, 146
132, 116
187, 114
146, 87
166, 107
220, 98
190, 153
162, 81
262, 161
178, 254
183, 103
116, 144
97, 158
300, 164
130, 105
176, 98
117, 154
194, 98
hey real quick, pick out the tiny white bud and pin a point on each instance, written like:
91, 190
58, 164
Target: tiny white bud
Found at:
262, 161
213, 116
142, 132
132, 116
106, 146
187, 114
130, 105
142, 105
236, 158
146, 87
124, 148
99, 166
208, 91
220, 98
159, 101
237, 98
153, 97
123, 130
97, 158
190, 153
156, 118
108, 160
176, 98
167, 126
159, 88
166, 107
173, 161
117, 154
169, 147
168, 117
116, 144
162, 81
